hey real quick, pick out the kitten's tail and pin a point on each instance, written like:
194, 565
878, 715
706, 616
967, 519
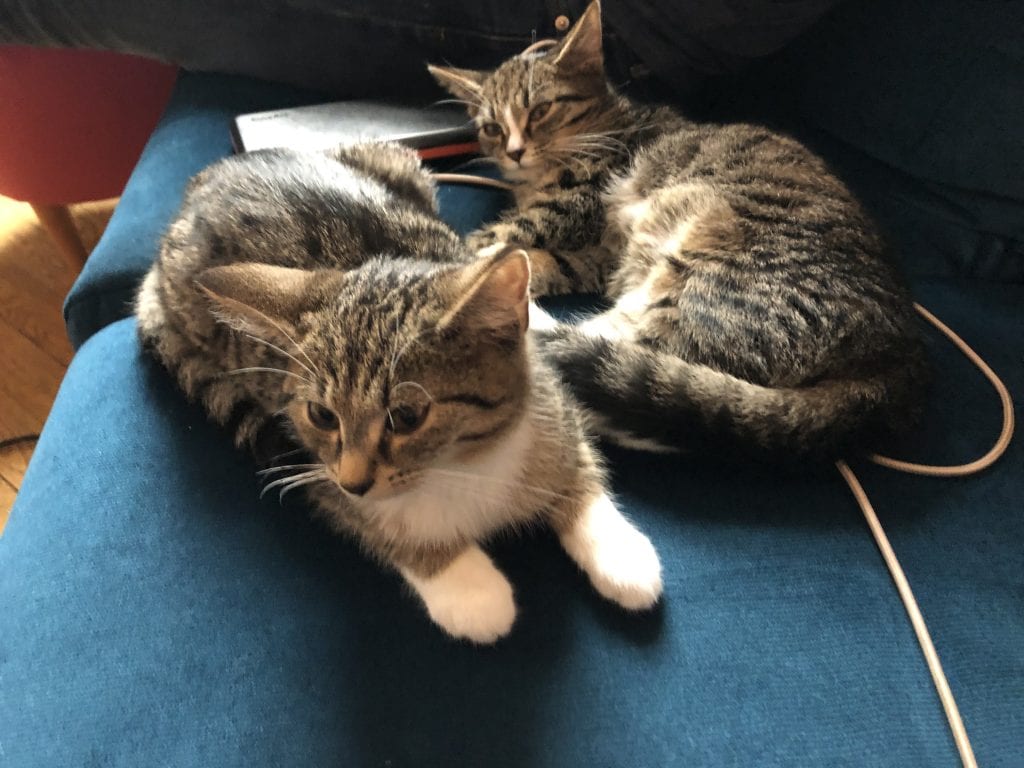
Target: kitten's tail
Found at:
649, 400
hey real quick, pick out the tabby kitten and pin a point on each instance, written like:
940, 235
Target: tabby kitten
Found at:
320, 294
755, 309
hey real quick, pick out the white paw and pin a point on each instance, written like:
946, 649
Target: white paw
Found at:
541, 320
469, 599
621, 562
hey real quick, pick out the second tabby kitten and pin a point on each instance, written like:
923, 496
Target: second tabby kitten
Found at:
319, 295
755, 308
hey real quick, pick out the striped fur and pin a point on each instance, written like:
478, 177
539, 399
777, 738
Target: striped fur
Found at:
755, 311
317, 297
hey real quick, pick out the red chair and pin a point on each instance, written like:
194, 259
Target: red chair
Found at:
72, 126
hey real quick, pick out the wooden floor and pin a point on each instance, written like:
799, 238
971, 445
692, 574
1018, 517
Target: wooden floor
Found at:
34, 278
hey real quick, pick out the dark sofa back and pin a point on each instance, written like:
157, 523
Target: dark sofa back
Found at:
921, 104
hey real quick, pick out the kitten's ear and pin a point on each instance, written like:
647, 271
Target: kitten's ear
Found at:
261, 299
463, 84
493, 295
581, 51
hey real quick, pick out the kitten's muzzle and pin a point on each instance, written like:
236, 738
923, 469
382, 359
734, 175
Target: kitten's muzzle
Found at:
360, 489
356, 472
516, 154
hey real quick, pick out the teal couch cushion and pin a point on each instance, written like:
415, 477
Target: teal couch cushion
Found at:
156, 613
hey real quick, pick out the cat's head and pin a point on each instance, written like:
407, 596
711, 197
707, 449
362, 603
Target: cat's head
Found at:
538, 110
397, 368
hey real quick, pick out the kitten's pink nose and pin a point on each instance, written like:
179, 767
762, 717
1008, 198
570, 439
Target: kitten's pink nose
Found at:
360, 489
515, 154
355, 472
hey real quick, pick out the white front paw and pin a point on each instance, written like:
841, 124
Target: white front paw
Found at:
469, 598
628, 571
621, 562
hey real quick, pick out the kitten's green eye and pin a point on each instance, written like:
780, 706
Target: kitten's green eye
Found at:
540, 111
491, 129
321, 417
406, 419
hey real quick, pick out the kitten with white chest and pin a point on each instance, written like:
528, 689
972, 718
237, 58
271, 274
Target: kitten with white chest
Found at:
318, 296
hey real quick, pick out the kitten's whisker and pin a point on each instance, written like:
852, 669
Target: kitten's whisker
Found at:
260, 369
573, 159
391, 367
287, 453
577, 166
291, 339
569, 149
418, 386
314, 473
295, 476
283, 467
631, 128
299, 363
405, 348
603, 146
570, 146
299, 483
464, 102
587, 153
604, 136
599, 145
553, 156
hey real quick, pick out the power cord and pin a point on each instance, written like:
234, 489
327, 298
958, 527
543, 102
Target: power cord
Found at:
469, 179
956, 723
1002, 442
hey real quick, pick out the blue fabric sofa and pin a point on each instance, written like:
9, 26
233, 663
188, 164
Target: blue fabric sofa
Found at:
153, 611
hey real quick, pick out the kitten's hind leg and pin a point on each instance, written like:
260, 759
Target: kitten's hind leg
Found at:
621, 561
468, 598
149, 308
